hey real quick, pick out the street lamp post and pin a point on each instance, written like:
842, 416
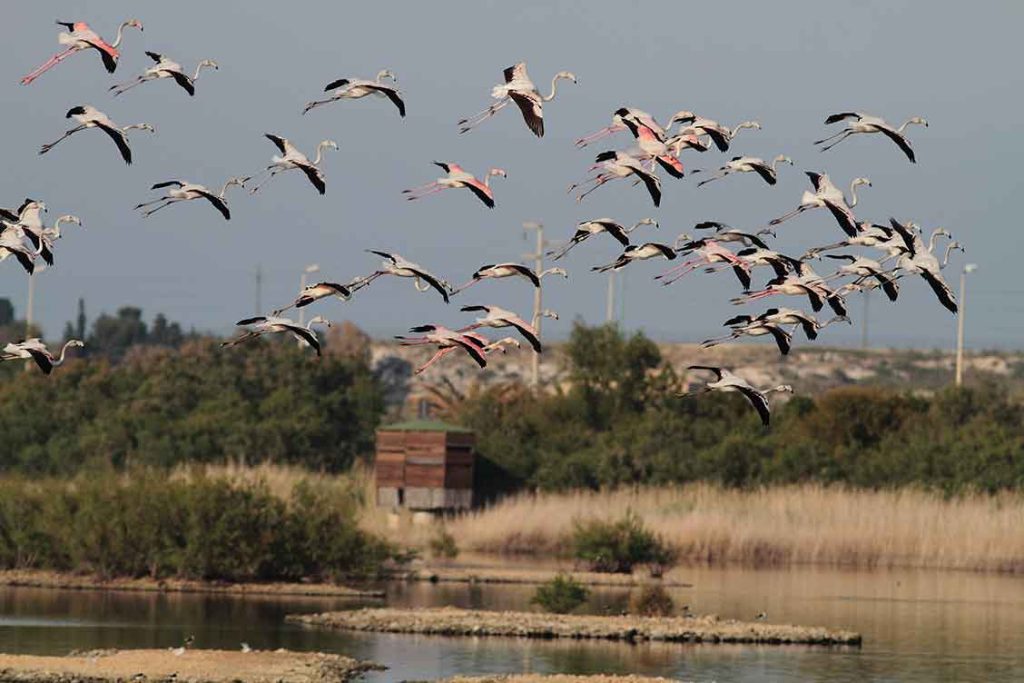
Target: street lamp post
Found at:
309, 270
969, 268
30, 307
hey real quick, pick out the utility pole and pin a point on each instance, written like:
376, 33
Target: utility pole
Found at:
864, 322
969, 268
308, 270
259, 290
609, 310
30, 308
538, 268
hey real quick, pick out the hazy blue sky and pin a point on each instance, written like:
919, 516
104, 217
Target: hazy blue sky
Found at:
787, 65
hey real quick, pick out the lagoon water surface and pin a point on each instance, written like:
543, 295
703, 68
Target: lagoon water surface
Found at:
917, 626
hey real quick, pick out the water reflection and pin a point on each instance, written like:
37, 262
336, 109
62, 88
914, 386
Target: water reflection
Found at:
918, 626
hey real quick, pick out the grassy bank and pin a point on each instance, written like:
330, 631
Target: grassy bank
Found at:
772, 527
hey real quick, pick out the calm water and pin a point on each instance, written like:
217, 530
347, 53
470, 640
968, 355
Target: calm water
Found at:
918, 626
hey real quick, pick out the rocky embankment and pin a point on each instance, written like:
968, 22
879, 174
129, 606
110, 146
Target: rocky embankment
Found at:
451, 621
188, 666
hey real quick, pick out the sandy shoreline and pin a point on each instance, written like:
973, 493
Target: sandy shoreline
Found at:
192, 666
47, 579
558, 678
450, 621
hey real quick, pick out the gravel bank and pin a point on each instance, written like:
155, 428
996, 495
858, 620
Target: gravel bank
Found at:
451, 621
193, 666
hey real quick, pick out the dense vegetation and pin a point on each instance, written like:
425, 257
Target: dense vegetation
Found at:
195, 527
261, 402
620, 422
560, 595
617, 546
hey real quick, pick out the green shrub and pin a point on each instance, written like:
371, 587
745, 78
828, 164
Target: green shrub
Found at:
560, 595
652, 600
198, 527
443, 545
618, 546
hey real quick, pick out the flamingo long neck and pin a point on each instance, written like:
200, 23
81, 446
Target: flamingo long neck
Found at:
120, 34
319, 152
487, 178
853, 194
229, 183
199, 68
60, 361
934, 237
554, 88
949, 248
905, 124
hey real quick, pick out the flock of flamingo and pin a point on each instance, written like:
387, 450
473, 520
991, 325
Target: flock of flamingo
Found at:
902, 249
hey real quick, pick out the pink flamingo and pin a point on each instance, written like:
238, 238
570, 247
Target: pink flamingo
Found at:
624, 115
457, 177
81, 37
444, 338
612, 165
707, 252
487, 347
499, 317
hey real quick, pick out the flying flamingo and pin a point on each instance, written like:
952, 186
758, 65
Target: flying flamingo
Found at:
184, 191
293, 158
827, 195
13, 242
868, 235
356, 88
520, 89
612, 165
42, 238
457, 177
501, 270
596, 226
35, 349
635, 252
863, 268
725, 233
707, 252
806, 283
81, 37
657, 150
499, 317
315, 292
921, 260
866, 123
727, 381
165, 68
486, 347
791, 316
90, 117
444, 338
719, 134
757, 165
261, 324
398, 266
622, 115
745, 326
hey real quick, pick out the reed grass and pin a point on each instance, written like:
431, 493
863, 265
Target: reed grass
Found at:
805, 524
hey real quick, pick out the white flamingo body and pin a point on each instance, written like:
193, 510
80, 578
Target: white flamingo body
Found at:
827, 196
291, 158
727, 381
395, 264
520, 89
164, 67
612, 165
638, 252
587, 229
183, 191
89, 117
36, 350
766, 170
358, 88
860, 123
497, 317
261, 324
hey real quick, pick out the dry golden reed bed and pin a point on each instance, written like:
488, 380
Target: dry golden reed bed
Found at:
772, 527
799, 524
